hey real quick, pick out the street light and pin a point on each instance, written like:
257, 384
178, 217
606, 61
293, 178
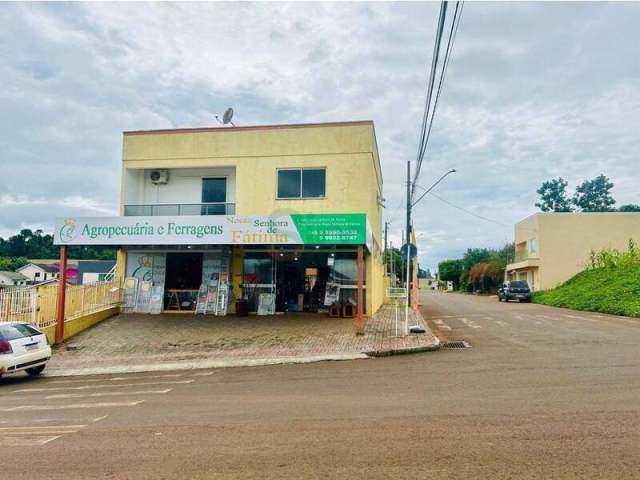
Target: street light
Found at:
427, 190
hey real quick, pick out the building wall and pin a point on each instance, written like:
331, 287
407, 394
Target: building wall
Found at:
79, 324
30, 271
185, 185
4, 280
565, 240
348, 151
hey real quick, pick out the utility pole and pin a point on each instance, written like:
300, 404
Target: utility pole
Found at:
407, 245
407, 235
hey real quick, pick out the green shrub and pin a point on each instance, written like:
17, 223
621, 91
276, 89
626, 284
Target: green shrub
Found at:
611, 284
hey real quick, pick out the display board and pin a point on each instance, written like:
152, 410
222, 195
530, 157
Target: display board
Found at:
157, 299
295, 229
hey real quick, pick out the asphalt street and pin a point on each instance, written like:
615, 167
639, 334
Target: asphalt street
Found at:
542, 393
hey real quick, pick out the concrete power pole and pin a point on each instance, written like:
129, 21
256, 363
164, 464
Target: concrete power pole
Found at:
407, 236
407, 245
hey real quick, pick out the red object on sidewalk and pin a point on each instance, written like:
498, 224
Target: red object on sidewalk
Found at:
62, 293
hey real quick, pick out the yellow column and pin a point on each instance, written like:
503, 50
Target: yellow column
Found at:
236, 274
121, 266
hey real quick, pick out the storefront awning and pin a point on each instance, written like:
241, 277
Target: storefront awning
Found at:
294, 229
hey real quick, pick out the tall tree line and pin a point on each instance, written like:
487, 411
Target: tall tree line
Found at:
37, 244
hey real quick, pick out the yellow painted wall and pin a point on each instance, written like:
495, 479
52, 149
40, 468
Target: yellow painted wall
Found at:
348, 152
77, 325
121, 266
565, 241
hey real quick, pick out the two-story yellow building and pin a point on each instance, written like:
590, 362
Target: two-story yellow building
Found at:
282, 210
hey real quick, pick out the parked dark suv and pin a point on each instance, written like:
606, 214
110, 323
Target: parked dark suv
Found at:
515, 290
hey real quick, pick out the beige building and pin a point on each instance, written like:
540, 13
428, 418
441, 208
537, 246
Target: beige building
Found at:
553, 247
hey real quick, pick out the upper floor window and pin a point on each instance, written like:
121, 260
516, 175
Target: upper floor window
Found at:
214, 190
302, 183
533, 247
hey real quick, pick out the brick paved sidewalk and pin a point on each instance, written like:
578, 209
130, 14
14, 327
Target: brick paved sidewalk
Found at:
132, 342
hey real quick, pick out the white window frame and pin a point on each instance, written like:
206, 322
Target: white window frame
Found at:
301, 169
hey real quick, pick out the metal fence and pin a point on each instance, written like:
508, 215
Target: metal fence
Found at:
37, 304
398, 298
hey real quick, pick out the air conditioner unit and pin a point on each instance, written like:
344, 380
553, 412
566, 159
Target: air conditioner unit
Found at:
159, 177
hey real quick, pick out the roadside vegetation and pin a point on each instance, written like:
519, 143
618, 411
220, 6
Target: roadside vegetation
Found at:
610, 284
34, 244
479, 270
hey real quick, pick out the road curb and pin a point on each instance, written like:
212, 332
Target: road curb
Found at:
405, 351
203, 364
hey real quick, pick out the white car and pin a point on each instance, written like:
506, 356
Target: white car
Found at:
23, 348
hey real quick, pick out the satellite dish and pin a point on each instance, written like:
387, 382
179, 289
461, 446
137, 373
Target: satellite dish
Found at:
228, 115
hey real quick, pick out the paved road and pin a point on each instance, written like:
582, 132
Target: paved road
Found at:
543, 393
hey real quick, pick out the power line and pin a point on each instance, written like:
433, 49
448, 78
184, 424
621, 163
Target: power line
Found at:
445, 65
468, 211
432, 76
424, 139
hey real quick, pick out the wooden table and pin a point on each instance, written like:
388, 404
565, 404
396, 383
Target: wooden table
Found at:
176, 295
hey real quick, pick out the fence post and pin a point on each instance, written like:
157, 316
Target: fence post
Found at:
82, 298
34, 306
62, 292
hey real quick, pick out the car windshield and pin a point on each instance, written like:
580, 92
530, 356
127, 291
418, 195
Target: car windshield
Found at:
519, 285
13, 332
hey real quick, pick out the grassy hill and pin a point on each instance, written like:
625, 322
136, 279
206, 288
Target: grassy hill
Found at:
611, 289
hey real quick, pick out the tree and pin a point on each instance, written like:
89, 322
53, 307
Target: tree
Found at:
396, 262
12, 264
594, 195
450, 271
553, 196
36, 244
505, 255
630, 207
485, 276
475, 255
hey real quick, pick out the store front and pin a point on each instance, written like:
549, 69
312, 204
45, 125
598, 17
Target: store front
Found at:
301, 278
217, 264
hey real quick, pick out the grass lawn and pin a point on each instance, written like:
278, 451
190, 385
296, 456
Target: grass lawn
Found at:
607, 290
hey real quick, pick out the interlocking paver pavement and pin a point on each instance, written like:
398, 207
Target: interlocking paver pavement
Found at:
139, 341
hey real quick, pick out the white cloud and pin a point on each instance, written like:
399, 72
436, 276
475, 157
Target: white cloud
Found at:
533, 91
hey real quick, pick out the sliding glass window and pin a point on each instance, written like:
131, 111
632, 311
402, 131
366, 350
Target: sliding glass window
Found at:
302, 183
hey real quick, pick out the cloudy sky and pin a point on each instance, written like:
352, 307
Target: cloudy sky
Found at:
533, 91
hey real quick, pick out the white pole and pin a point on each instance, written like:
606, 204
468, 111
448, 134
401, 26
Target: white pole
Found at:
406, 304
396, 302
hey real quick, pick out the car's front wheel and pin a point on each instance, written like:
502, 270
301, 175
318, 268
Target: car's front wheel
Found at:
35, 370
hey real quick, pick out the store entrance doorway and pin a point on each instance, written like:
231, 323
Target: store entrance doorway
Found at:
183, 279
301, 279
